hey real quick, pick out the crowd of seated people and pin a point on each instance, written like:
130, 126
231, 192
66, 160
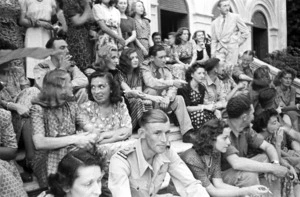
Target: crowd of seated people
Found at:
76, 112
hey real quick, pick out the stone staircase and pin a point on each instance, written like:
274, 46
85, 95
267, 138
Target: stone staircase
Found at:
175, 138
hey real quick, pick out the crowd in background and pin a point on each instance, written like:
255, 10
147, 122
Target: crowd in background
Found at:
78, 102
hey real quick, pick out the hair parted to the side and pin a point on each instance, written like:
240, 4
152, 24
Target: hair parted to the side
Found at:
267, 97
115, 95
221, 1
153, 116
179, 33
111, 2
50, 43
154, 49
238, 105
127, 11
207, 135
67, 170
53, 91
261, 121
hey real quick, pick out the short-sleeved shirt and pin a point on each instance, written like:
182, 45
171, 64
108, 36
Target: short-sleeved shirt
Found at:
215, 90
200, 169
131, 175
240, 145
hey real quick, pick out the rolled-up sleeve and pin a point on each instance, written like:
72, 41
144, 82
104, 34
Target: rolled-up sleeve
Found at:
184, 181
79, 80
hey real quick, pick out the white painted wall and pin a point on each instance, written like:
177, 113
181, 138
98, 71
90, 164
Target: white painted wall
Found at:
200, 16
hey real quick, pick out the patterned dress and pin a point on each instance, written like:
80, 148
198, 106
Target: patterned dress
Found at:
112, 18
80, 46
46, 122
119, 118
10, 181
194, 98
142, 34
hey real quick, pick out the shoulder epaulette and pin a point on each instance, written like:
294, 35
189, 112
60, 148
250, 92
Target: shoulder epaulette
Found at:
125, 152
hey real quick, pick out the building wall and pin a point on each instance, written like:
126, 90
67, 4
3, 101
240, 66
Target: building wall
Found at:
201, 17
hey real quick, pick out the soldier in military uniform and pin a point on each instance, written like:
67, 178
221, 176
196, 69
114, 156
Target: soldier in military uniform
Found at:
139, 170
159, 81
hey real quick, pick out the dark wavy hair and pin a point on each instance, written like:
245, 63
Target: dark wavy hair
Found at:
125, 61
238, 105
179, 33
267, 97
261, 78
111, 2
195, 35
207, 135
284, 72
115, 95
192, 69
67, 171
261, 121
133, 9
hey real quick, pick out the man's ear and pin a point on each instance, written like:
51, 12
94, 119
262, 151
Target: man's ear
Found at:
244, 117
141, 132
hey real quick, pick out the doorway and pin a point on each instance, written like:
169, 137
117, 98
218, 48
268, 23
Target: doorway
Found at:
171, 22
260, 35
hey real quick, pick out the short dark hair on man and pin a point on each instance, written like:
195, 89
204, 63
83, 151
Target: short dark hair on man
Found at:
211, 63
238, 105
266, 97
261, 121
154, 49
155, 34
115, 95
50, 42
153, 116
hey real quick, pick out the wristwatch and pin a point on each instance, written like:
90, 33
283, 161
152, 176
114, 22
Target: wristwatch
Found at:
275, 162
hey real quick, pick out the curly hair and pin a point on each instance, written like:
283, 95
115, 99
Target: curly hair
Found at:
238, 105
261, 121
115, 95
67, 171
283, 73
179, 33
207, 135
261, 78
191, 70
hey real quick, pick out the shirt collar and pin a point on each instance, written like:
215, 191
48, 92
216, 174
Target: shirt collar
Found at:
143, 165
210, 82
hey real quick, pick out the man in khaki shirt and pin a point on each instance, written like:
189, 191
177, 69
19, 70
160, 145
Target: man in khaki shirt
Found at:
140, 169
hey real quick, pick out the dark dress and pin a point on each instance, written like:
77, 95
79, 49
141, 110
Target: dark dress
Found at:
193, 98
127, 26
80, 46
200, 53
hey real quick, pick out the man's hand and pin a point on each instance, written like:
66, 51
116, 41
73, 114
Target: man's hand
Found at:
279, 171
65, 62
134, 94
165, 103
178, 83
256, 190
157, 99
44, 24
